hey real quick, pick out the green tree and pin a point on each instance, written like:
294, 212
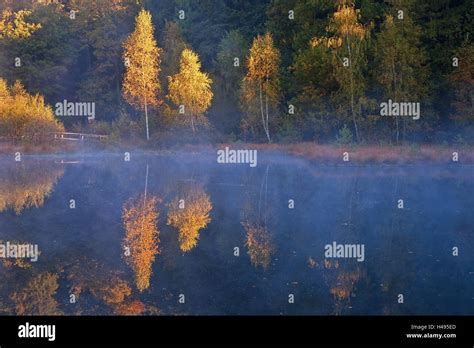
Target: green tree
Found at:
228, 73
314, 84
400, 63
462, 82
101, 28
173, 46
142, 60
43, 61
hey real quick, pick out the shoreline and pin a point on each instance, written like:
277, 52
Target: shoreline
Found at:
312, 152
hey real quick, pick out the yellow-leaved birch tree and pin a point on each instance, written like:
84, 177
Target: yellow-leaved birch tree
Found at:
142, 61
261, 84
190, 89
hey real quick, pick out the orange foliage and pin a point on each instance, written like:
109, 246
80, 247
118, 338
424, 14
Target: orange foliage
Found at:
37, 298
105, 285
141, 237
134, 307
259, 244
190, 218
25, 116
26, 185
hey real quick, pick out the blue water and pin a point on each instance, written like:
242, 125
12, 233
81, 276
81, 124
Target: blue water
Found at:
408, 251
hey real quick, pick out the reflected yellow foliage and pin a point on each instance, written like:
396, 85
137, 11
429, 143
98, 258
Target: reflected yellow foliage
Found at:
191, 217
328, 264
104, 284
345, 284
26, 185
37, 298
312, 263
113, 292
134, 307
19, 262
259, 244
141, 240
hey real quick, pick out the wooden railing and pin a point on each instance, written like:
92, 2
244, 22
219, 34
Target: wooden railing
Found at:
68, 136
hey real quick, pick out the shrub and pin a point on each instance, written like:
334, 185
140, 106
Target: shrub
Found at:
344, 137
25, 116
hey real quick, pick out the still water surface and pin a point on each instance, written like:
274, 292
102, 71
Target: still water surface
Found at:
120, 237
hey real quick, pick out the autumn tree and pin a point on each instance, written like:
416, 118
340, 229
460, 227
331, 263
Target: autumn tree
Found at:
190, 89
142, 61
141, 240
25, 116
347, 44
260, 86
189, 214
13, 25
400, 63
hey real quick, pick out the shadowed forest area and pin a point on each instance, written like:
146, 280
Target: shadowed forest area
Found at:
159, 73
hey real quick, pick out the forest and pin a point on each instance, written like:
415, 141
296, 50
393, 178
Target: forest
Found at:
253, 71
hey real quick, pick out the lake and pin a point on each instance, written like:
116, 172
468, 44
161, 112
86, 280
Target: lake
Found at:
184, 235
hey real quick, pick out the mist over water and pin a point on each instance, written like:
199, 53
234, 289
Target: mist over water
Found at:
280, 251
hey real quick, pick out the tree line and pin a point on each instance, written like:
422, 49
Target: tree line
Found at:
282, 70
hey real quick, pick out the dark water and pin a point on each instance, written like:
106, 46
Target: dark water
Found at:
408, 251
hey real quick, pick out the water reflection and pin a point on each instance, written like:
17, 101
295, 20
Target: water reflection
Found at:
37, 297
259, 244
27, 184
189, 212
257, 214
155, 226
94, 285
141, 240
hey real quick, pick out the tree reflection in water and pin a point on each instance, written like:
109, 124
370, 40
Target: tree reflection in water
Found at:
37, 298
259, 244
259, 241
141, 240
189, 213
27, 184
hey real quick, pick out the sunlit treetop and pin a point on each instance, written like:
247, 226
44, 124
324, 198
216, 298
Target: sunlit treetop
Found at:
13, 25
263, 59
345, 25
142, 55
191, 87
